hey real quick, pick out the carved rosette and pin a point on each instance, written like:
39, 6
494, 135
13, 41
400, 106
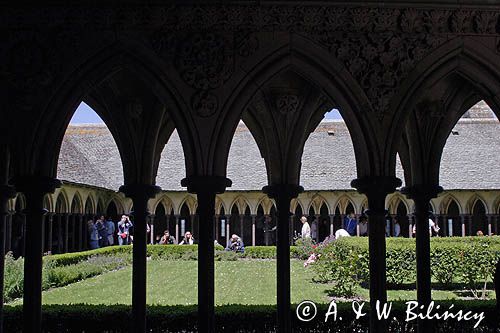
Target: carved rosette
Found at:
205, 62
287, 104
204, 103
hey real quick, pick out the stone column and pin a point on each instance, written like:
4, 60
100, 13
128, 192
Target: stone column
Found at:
34, 189
422, 195
152, 227
177, 228
267, 230
50, 222
283, 194
316, 221
242, 225
66, 232
193, 220
228, 230
206, 187
410, 225
253, 229
86, 232
140, 195
490, 218
80, 232
495, 219
6, 193
73, 231
376, 188
463, 217
332, 229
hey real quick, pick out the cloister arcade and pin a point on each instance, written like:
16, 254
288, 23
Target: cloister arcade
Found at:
249, 214
401, 74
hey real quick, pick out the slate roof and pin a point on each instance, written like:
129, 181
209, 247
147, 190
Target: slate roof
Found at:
470, 159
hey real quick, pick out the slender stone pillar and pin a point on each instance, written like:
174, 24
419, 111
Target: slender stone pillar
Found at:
253, 229
422, 195
140, 195
50, 222
6, 192
34, 189
66, 232
177, 229
242, 225
332, 229
152, 227
267, 230
376, 188
283, 195
316, 221
410, 225
206, 187
72, 226
228, 230
85, 231
462, 219
81, 231
490, 223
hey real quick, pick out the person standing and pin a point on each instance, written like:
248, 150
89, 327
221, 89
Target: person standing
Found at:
363, 226
93, 235
110, 229
350, 224
101, 230
124, 230
306, 229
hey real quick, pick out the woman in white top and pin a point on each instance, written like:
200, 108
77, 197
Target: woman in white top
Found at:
306, 229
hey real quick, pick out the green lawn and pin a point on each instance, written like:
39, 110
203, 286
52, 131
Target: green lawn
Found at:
175, 282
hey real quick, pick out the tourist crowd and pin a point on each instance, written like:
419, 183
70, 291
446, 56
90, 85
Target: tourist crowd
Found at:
102, 233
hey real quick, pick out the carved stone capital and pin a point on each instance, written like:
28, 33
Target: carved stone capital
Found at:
40, 185
139, 191
422, 191
206, 184
276, 191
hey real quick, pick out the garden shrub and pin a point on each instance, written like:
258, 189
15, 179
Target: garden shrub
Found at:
234, 318
13, 277
477, 265
304, 248
401, 265
260, 252
66, 259
469, 260
444, 263
226, 256
58, 276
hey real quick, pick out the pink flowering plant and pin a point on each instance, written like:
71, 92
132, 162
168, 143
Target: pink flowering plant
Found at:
338, 264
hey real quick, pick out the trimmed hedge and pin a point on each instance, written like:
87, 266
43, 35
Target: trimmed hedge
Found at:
162, 252
469, 260
236, 318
